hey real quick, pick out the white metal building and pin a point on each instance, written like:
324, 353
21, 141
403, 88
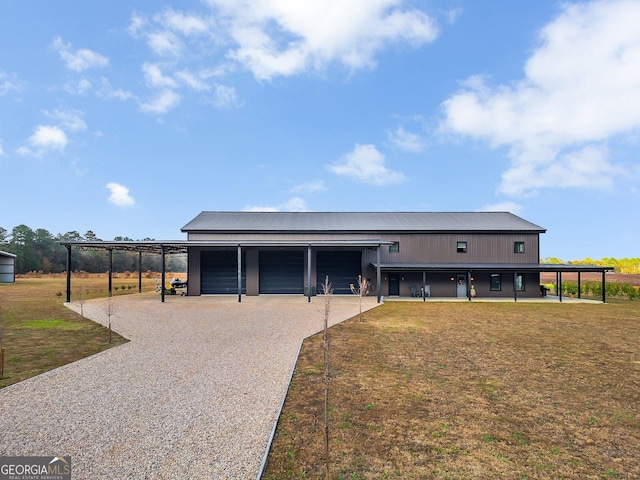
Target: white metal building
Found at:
7, 267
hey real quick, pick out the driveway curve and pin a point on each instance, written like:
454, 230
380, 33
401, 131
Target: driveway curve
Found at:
194, 394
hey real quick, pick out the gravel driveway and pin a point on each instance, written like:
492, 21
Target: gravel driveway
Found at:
195, 394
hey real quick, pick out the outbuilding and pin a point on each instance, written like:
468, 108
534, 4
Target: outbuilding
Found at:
399, 254
7, 267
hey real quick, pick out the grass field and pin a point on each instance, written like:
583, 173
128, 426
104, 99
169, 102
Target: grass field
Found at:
38, 333
469, 391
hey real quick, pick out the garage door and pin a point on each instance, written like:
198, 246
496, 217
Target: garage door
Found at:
343, 269
219, 272
282, 272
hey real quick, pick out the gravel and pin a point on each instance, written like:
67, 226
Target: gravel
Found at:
194, 394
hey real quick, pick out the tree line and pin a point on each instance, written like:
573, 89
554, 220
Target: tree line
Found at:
621, 265
40, 251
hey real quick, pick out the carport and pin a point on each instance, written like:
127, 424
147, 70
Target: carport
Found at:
172, 247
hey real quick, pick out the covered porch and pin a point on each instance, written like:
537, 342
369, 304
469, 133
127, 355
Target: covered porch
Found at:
478, 282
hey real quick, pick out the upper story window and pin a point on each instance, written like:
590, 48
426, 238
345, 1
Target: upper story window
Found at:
518, 247
461, 247
394, 248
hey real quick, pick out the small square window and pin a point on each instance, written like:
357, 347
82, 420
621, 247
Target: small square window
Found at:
518, 247
520, 282
394, 248
461, 247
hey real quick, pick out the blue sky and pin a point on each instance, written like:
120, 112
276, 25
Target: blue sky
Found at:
129, 118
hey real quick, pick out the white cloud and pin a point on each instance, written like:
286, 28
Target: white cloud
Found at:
367, 165
314, 186
407, 141
1, 150
295, 204
453, 14
192, 80
162, 103
47, 137
81, 88
506, 206
108, 92
8, 82
82, 59
581, 90
276, 38
164, 43
185, 24
285, 38
155, 78
119, 195
226, 96
70, 120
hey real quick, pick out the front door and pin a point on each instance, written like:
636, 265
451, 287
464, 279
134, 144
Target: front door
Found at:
394, 285
461, 286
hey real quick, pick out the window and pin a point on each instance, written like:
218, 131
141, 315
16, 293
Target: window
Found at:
496, 282
518, 247
520, 282
395, 248
461, 247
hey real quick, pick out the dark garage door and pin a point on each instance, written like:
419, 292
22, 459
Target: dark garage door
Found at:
219, 272
282, 272
343, 269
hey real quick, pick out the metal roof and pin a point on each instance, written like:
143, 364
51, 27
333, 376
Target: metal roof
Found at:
7, 254
180, 246
359, 222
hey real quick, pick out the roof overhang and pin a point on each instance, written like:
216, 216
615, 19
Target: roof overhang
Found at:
181, 246
494, 267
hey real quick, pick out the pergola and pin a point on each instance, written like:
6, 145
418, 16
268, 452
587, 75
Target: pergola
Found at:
468, 269
180, 246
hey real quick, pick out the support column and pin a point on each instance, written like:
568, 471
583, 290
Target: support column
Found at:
424, 286
515, 286
579, 289
239, 273
110, 273
469, 285
560, 285
378, 273
139, 272
162, 274
604, 288
309, 274
68, 273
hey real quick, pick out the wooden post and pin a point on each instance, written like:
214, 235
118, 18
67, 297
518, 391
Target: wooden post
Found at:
604, 289
560, 285
579, 289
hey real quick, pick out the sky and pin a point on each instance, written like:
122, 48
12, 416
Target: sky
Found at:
130, 118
